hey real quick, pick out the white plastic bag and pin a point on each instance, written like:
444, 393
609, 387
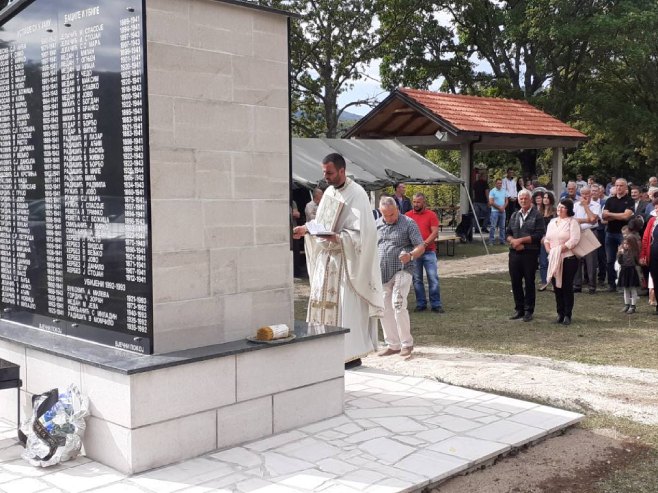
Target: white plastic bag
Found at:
54, 432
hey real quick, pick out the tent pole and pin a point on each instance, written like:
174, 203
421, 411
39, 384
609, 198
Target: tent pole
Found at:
476, 219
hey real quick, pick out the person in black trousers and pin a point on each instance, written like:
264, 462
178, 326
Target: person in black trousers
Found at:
524, 233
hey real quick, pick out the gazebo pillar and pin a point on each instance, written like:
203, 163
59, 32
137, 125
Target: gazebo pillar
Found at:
556, 176
465, 174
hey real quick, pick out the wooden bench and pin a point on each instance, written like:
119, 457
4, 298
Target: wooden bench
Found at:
449, 242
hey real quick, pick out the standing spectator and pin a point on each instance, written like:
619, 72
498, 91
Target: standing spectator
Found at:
648, 210
571, 192
628, 257
591, 180
403, 202
510, 184
599, 197
398, 243
562, 235
580, 183
312, 207
524, 233
608, 187
586, 213
498, 202
538, 200
548, 213
428, 224
639, 205
649, 252
617, 211
481, 200
653, 182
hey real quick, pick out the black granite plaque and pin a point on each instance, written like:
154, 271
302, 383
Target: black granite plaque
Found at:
74, 198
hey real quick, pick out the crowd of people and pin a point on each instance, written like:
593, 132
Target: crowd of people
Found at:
362, 268
545, 234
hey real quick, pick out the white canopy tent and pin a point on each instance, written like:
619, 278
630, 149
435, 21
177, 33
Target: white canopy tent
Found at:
374, 164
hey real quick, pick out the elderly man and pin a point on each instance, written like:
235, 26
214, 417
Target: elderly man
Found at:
399, 242
312, 207
343, 270
617, 211
653, 182
586, 213
428, 224
525, 230
571, 192
639, 205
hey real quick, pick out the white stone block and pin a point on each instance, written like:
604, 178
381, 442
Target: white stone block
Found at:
182, 390
227, 212
173, 441
189, 319
161, 115
229, 41
261, 269
172, 7
238, 321
179, 276
191, 84
214, 175
45, 372
270, 129
176, 225
308, 404
108, 443
109, 395
172, 180
248, 76
287, 367
221, 16
183, 59
261, 176
274, 306
244, 421
8, 405
168, 27
228, 236
224, 271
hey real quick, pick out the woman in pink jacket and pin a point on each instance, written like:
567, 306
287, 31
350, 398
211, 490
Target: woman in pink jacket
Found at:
562, 235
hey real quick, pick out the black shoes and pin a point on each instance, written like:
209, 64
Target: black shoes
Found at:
517, 315
591, 290
577, 290
625, 309
559, 320
631, 310
355, 363
438, 309
612, 289
420, 309
566, 321
527, 317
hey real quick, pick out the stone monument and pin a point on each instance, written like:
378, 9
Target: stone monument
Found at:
144, 224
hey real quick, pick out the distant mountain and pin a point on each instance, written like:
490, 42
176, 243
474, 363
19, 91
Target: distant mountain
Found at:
351, 117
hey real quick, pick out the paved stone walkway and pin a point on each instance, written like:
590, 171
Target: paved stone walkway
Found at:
398, 433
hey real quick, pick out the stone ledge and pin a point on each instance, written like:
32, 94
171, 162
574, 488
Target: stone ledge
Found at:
128, 363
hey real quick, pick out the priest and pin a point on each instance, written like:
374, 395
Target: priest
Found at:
343, 267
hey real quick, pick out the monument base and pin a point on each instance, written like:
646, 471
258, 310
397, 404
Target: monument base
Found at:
150, 411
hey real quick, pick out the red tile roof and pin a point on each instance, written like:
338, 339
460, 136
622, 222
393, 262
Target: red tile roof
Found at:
491, 115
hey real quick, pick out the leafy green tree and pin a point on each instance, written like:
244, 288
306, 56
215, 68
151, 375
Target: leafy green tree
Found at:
331, 45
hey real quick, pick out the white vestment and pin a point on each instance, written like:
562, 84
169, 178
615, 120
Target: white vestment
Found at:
346, 286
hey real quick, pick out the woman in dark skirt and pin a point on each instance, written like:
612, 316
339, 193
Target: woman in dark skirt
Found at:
649, 253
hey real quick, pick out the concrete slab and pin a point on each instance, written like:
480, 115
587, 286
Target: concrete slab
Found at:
398, 434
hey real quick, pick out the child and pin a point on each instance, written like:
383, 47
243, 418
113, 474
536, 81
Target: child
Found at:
628, 257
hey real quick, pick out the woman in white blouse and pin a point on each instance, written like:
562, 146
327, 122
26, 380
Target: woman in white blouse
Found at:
562, 235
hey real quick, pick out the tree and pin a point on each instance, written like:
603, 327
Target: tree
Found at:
538, 50
331, 46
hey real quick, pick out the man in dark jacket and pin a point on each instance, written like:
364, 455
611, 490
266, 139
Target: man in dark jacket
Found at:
403, 202
524, 232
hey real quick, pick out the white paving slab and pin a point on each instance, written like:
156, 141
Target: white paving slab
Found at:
398, 434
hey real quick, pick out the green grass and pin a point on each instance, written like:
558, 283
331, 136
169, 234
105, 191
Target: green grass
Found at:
468, 250
477, 311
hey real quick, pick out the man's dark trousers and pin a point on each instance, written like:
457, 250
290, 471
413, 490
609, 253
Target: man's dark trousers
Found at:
612, 242
602, 267
522, 270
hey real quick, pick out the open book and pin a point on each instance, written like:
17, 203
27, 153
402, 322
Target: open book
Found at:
326, 218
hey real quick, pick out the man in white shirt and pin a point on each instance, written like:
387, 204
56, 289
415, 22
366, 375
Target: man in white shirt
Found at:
586, 213
312, 207
509, 185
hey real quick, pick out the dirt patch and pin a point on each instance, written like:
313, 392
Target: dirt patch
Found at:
570, 463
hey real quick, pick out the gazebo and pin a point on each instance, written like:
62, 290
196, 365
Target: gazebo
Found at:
426, 119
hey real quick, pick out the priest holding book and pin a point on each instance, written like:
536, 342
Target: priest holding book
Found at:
342, 261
